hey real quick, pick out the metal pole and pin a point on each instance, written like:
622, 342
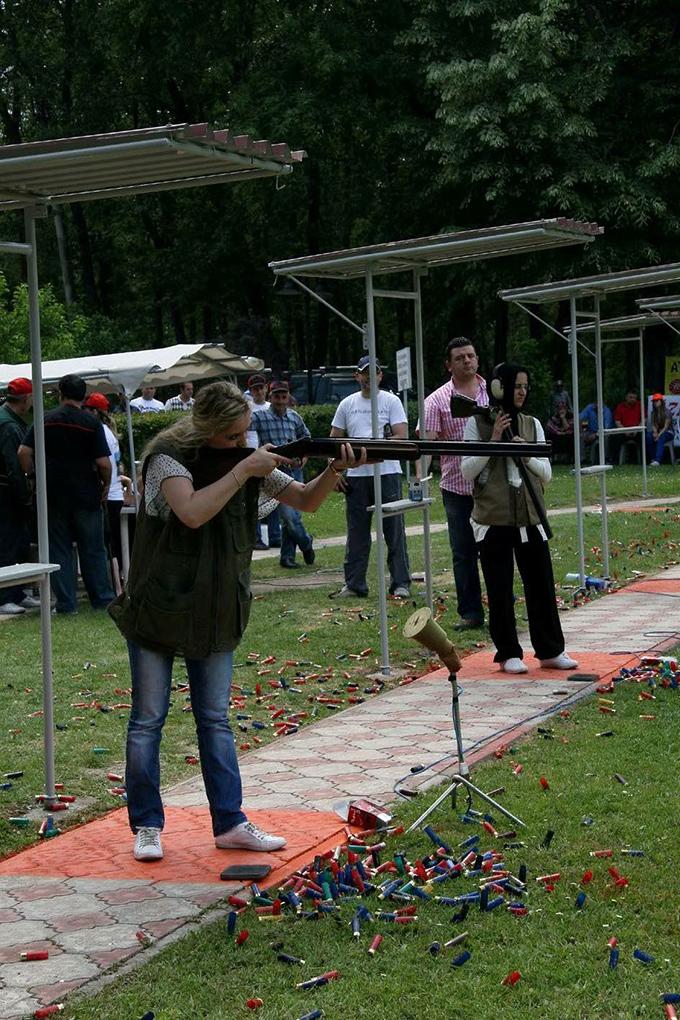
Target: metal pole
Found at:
643, 437
604, 523
573, 350
131, 449
41, 498
377, 482
420, 390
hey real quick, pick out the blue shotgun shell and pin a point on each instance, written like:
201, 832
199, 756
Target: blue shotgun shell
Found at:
458, 961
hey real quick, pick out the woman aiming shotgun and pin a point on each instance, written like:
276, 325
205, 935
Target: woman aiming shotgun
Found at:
188, 594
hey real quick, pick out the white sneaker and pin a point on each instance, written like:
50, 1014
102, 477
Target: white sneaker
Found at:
514, 665
148, 844
11, 609
654, 463
31, 602
561, 661
401, 592
247, 836
347, 593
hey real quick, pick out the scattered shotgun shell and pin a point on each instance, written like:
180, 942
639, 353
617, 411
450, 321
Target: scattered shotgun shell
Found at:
639, 954
620, 779
375, 945
580, 900
35, 954
287, 958
19, 821
254, 1003
241, 937
511, 979
548, 838
545, 785
45, 1011
458, 961
613, 958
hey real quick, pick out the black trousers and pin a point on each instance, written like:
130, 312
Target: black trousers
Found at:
498, 552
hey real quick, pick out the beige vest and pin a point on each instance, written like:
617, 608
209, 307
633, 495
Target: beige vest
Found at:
496, 501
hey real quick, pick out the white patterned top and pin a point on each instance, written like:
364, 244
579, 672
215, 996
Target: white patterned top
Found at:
162, 466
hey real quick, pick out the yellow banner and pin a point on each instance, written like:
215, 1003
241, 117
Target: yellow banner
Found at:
672, 384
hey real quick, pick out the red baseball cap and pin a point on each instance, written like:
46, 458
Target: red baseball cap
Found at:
20, 387
657, 396
97, 400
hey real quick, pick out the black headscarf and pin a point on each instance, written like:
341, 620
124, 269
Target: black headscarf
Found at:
502, 389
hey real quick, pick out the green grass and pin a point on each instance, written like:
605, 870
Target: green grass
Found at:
561, 952
622, 483
301, 625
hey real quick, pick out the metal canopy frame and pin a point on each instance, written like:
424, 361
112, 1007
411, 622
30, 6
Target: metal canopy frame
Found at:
37, 175
582, 319
417, 256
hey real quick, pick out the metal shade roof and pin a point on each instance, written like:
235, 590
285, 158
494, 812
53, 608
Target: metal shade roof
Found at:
124, 163
628, 279
659, 304
625, 322
441, 249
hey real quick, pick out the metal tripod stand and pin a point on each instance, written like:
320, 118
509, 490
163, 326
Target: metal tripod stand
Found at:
461, 777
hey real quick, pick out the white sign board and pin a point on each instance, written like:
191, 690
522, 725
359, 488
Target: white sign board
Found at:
404, 379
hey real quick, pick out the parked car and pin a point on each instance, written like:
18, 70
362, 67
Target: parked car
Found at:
330, 385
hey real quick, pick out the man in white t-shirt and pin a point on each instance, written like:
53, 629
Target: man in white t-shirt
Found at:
353, 419
146, 403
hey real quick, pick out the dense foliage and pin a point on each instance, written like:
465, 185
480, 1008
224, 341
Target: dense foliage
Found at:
417, 116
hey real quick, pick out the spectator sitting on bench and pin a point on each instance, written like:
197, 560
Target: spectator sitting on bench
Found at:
627, 414
659, 431
559, 430
589, 433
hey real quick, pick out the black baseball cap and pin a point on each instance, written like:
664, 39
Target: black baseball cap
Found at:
364, 362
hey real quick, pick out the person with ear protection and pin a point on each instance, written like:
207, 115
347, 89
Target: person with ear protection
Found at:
507, 526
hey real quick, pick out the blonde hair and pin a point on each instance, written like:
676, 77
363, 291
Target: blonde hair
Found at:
215, 410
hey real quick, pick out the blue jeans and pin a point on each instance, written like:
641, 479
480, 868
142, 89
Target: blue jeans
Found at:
273, 522
465, 555
293, 531
655, 447
86, 528
210, 686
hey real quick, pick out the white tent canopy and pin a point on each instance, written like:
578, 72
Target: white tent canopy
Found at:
127, 372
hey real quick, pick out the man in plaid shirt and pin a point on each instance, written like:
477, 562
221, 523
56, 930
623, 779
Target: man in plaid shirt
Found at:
279, 424
462, 363
184, 400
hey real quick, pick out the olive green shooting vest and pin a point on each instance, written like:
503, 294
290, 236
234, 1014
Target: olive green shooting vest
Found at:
496, 501
189, 588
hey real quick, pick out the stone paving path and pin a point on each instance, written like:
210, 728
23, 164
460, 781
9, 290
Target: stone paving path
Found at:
91, 923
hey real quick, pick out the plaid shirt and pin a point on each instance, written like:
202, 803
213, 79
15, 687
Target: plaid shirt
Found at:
279, 429
438, 418
176, 404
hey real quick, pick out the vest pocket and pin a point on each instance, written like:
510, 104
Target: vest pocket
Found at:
165, 617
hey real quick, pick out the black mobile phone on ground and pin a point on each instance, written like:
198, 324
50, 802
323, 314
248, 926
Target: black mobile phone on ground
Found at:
245, 872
